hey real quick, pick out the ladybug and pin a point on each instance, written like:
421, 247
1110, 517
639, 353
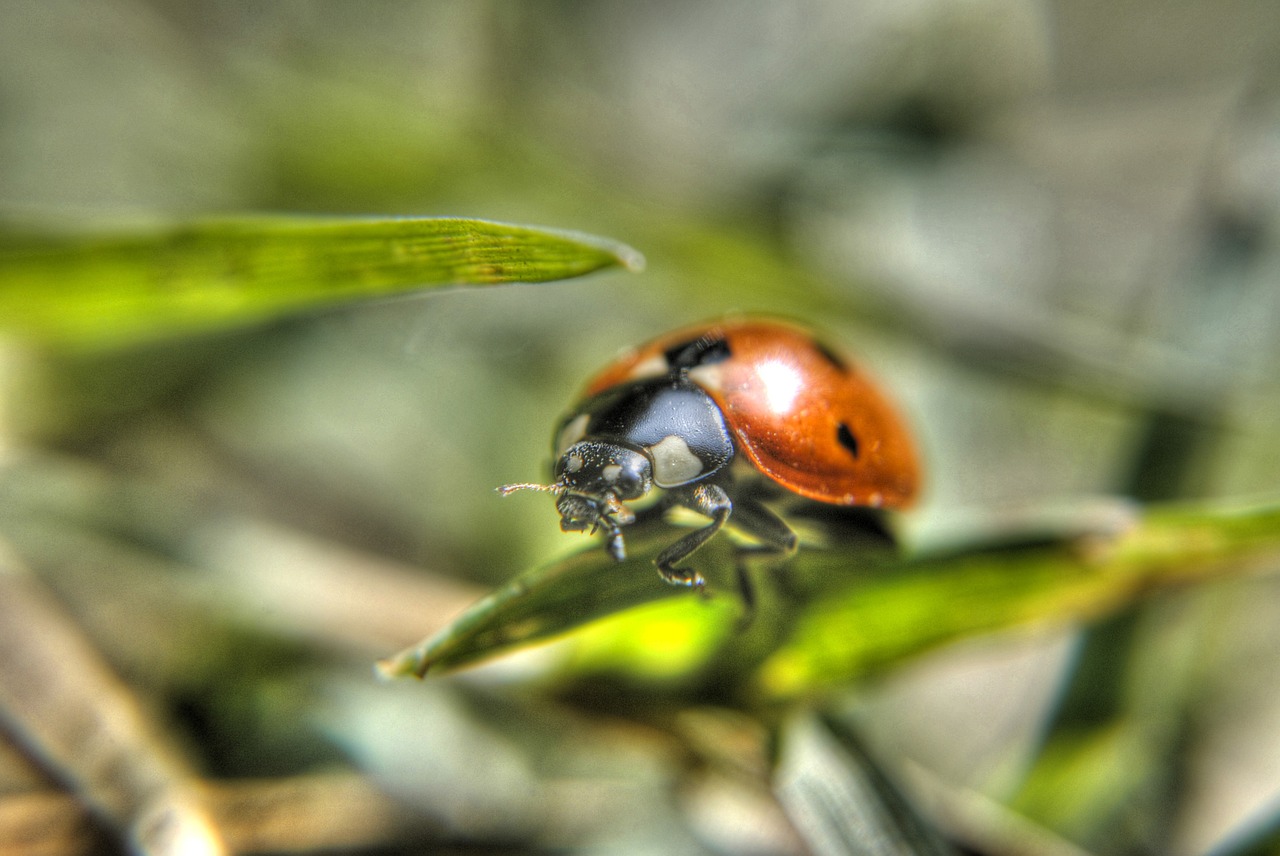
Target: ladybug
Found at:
689, 413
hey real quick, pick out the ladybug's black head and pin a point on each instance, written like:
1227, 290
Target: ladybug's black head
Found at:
598, 470
592, 480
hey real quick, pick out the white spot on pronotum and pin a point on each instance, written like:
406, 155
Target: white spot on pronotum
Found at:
572, 433
574, 464
673, 463
611, 473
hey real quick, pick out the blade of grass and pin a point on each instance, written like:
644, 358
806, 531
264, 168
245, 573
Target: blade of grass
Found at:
538, 605
927, 602
850, 612
96, 291
64, 704
841, 800
678, 634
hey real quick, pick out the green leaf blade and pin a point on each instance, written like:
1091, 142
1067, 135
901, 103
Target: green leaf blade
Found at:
679, 635
103, 291
844, 611
927, 602
539, 605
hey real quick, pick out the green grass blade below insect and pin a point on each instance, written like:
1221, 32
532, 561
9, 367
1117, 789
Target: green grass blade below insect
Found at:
844, 613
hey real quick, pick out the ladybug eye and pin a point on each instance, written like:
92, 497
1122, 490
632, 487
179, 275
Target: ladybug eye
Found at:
845, 437
627, 482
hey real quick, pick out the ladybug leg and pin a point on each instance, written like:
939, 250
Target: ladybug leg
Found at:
614, 544
706, 499
747, 589
776, 539
616, 516
762, 523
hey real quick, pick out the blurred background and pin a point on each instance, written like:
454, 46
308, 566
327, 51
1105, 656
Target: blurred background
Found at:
1051, 227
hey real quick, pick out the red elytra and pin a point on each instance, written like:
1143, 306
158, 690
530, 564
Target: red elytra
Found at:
805, 417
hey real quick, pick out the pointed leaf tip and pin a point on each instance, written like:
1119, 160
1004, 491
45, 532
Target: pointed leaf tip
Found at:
87, 291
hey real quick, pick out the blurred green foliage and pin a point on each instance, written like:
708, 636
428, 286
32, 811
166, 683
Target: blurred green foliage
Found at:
1057, 249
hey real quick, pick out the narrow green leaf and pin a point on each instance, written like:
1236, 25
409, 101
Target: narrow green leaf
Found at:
541, 604
836, 614
1088, 782
841, 800
674, 638
104, 290
930, 601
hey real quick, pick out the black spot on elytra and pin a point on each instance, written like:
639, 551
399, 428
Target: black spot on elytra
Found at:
845, 438
833, 358
702, 351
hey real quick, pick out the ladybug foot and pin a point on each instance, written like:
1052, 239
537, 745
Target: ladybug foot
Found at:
682, 577
708, 499
616, 547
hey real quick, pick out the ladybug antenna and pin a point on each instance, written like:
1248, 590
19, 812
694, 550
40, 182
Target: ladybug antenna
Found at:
508, 489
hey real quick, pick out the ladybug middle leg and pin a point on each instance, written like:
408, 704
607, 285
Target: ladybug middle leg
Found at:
775, 537
762, 523
776, 540
706, 499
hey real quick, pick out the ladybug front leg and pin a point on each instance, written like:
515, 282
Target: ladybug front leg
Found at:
614, 545
706, 499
